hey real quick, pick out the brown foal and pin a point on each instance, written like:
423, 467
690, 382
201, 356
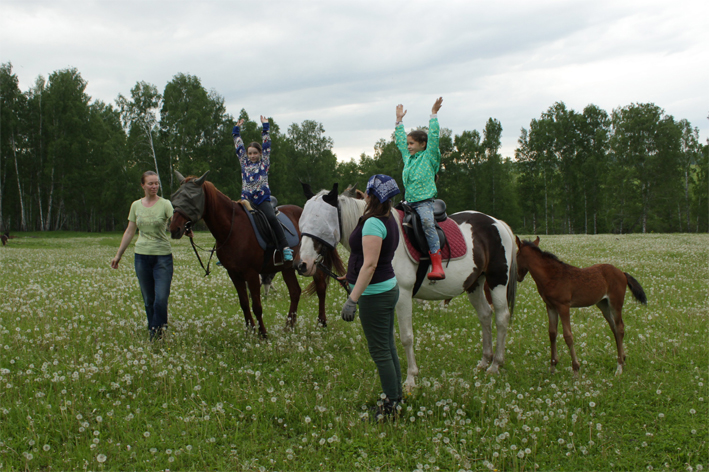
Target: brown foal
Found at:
563, 286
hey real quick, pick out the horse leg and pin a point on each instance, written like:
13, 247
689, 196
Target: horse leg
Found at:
406, 334
553, 330
254, 282
502, 321
617, 327
482, 307
294, 292
320, 281
240, 285
565, 315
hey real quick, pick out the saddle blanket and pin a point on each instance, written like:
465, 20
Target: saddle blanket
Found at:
455, 249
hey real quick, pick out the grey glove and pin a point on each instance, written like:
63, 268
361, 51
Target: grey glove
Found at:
349, 310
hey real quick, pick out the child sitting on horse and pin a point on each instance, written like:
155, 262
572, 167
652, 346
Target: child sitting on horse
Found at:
422, 159
255, 162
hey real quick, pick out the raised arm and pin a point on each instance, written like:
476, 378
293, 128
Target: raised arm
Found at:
434, 131
266, 141
239, 143
400, 133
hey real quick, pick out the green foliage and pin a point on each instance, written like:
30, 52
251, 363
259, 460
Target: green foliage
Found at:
82, 387
69, 163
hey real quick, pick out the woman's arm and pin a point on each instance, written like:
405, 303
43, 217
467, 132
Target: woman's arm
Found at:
125, 241
239, 143
371, 247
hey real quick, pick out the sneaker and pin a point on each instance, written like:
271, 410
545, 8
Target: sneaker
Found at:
287, 254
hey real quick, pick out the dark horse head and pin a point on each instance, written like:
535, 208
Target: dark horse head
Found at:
188, 204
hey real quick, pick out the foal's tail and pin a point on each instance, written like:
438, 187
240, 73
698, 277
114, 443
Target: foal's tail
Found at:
636, 289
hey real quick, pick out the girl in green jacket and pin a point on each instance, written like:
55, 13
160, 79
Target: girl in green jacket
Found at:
422, 159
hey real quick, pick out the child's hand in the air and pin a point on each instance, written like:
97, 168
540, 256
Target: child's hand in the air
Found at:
437, 106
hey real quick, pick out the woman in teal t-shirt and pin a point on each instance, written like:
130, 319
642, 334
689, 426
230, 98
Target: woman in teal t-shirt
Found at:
153, 253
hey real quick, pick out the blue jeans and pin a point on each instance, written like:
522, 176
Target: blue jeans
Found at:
155, 276
424, 209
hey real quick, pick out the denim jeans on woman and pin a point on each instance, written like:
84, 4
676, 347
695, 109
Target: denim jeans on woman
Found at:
155, 276
377, 313
424, 208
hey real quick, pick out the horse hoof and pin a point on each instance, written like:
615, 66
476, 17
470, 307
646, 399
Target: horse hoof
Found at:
494, 369
482, 365
552, 370
619, 370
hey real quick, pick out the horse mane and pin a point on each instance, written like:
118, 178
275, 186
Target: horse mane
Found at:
351, 209
544, 254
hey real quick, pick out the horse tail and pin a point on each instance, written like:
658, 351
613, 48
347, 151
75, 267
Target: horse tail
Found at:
636, 289
512, 284
311, 288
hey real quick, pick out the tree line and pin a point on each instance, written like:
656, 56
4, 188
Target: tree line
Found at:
72, 163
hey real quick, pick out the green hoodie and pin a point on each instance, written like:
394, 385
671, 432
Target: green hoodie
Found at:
420, 169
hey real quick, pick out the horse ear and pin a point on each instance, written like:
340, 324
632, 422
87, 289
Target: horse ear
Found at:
200, 181
331, 197
519, 243
359, 195
307, 190
536, 241
180, 177
351, 191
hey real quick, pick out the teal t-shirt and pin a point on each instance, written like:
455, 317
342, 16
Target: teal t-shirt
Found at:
152, 227
375, 227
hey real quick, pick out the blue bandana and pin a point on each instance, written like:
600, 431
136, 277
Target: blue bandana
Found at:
383, 186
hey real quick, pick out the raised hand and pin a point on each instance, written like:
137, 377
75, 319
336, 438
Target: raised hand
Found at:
437, 105
264, 119
240, 123
400, 112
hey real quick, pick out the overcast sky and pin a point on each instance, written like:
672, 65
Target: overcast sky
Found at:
347, 64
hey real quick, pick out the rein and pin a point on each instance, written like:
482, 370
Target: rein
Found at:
330, 273
214, 249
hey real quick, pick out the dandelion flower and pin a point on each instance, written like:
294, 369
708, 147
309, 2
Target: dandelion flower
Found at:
101, 458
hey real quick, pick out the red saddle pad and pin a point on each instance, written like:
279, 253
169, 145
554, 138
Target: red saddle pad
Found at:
455, 248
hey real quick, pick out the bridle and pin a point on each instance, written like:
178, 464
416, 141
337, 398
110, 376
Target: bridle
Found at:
215, 248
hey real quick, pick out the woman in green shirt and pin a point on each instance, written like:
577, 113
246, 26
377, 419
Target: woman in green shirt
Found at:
153, 253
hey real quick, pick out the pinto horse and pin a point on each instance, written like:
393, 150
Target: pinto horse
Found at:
237, 247
328, 219
563, 286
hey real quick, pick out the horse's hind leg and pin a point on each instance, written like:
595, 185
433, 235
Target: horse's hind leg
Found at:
482, 307
502, 321
614, 318
553, 330
565, 315
294, 292
406, 334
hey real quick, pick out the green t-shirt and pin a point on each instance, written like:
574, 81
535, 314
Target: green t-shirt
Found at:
152, 226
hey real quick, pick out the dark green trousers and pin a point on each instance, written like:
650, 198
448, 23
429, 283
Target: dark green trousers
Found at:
377, 314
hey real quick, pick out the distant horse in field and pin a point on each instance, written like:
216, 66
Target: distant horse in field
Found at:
237, 247
4, 237
563, 286
489, 259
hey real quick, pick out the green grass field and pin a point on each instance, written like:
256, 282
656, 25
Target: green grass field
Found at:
81, 387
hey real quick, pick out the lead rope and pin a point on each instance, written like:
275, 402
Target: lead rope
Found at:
214, 249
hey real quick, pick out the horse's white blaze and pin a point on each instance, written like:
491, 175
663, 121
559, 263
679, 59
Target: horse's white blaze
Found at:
308, 255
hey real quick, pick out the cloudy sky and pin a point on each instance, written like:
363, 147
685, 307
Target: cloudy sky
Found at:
347, 64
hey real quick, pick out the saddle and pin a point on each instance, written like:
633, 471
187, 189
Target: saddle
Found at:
264, 233
413, 230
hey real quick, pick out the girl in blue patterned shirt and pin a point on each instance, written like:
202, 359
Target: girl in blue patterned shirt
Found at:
255, 162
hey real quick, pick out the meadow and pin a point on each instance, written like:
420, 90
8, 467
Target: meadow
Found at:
82, 387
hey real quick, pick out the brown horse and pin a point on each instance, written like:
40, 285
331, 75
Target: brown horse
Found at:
237, 247
563, 286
